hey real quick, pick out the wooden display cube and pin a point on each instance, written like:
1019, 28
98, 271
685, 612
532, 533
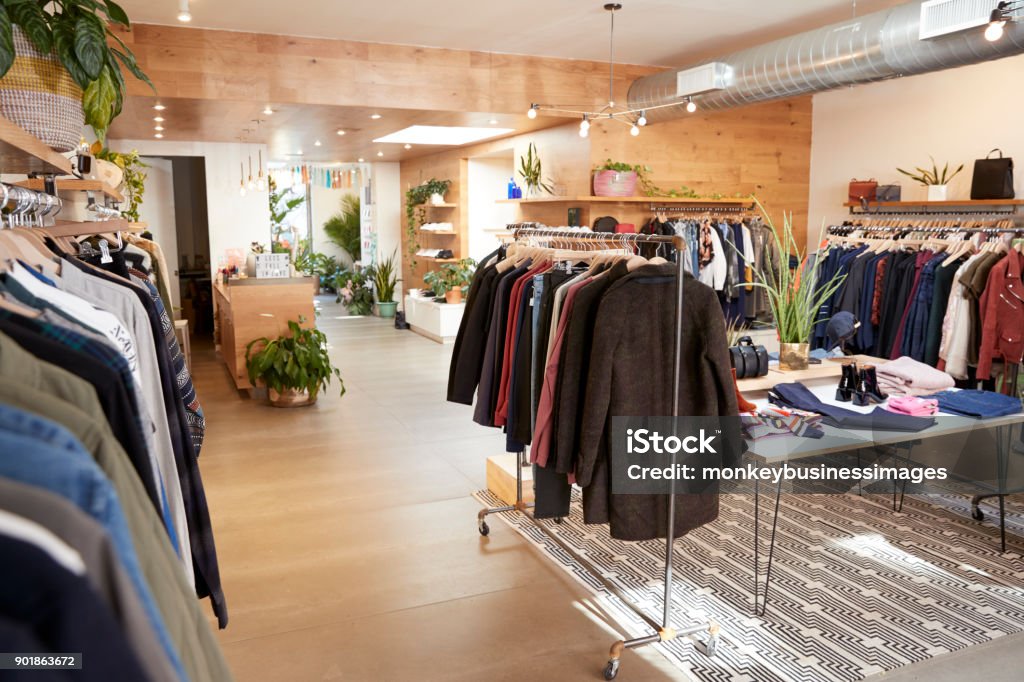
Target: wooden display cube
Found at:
501, 478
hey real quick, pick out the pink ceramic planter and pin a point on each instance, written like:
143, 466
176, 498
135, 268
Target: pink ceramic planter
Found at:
609, 183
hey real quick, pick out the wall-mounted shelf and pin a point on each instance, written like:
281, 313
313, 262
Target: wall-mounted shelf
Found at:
954, 202
628, 200
439, 260
74, 184
444, 233
445, 205
21, 152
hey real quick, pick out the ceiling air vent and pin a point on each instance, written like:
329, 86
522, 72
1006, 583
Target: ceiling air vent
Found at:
942, 17
703, 78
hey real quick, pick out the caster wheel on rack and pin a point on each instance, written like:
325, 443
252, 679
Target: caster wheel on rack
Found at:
484, 529
611, 671
977, 514
558, 519
712, 646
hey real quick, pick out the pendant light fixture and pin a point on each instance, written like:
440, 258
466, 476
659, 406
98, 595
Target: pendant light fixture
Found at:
634, 118
1004, 12
241, 179
261, 180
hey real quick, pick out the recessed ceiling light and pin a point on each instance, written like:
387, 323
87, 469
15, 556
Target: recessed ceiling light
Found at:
159, 107
380, 153
317, 143
374, 116
341, 132
299, 152
158, 128
158, 135
493, 121
361, 159
442, 135
267, 110
408, 146
158, 119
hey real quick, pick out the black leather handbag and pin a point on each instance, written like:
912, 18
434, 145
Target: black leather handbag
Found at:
993, 178
748, 360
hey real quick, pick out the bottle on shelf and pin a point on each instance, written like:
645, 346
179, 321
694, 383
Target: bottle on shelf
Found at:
511, 188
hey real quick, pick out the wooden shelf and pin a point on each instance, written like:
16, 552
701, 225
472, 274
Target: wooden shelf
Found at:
954, 202
439, 260
74, 184
440, 232
627, 200
21, 152
445, 205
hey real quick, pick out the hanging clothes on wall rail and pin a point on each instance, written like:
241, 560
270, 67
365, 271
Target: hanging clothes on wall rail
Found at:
99, 430
940, 291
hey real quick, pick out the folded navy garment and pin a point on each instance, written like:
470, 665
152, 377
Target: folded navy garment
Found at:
800, 397
974, 403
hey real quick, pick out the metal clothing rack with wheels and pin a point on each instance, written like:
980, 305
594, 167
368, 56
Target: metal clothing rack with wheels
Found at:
663, 630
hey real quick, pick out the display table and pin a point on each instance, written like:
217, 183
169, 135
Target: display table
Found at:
251, 308
436, 321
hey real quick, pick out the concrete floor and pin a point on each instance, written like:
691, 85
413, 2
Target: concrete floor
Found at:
348, 545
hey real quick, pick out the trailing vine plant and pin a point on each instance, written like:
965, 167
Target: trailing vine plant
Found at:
416, 213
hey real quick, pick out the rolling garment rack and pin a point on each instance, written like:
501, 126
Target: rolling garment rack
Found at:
663, 630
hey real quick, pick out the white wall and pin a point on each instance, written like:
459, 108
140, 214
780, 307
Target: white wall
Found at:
158, 211
488, 182
388, 216
869, 130
235, 221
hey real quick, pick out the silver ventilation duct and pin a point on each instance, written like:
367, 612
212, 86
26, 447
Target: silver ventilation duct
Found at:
874, 47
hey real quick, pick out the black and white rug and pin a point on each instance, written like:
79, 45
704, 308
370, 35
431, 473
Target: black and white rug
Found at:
857, 589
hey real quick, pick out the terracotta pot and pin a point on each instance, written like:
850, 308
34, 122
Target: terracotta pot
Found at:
793, 356
609, 183
39, 95
453, 296
290, 398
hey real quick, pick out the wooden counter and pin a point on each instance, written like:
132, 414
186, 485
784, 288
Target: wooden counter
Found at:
250, 308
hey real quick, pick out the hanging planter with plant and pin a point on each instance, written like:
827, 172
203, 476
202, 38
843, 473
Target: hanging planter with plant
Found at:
58, 70
416, 213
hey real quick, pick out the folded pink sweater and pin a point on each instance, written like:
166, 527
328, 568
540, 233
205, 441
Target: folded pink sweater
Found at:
906, 376
917, 407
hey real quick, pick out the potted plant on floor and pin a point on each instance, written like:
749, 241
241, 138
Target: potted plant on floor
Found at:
416, 214
533, 176
452, 280
617, 179
794, 296
935, 180
294, 368
384, 281
343, 228
60, 67
354, 291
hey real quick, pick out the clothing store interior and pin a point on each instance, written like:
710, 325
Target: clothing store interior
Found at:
486, 341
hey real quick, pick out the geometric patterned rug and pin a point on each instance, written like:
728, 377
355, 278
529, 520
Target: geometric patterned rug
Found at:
857, 589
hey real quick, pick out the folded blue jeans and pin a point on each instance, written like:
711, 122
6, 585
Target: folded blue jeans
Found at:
974, 403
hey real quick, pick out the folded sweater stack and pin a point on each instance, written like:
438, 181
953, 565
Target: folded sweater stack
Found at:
906, 376
917, 407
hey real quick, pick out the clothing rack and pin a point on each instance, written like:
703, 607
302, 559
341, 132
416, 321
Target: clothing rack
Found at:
843, 230
663, 630
26, 206
702, 209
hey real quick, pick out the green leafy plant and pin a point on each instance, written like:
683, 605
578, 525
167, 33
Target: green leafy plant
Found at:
78, 33
531, 172
385, 279
450, 276
649, 188
134, 182
354, 291
933, 176
416, 214
343, 228
794, 296
298, 361
281, 203
313, 264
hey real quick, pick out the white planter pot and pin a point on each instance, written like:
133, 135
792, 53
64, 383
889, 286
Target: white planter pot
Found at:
436, 199
938, 192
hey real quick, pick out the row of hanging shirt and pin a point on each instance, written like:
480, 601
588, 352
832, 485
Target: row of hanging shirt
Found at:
555, 343
727, 253
930, 294
102, 509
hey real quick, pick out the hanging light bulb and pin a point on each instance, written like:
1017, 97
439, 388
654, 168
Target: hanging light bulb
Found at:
184, 13
994, 31
268, 111
252, 183
642, 121
584, 132
532, 113
585, 123
241, 179
317, 143
634, 131
691, 106
261, 180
